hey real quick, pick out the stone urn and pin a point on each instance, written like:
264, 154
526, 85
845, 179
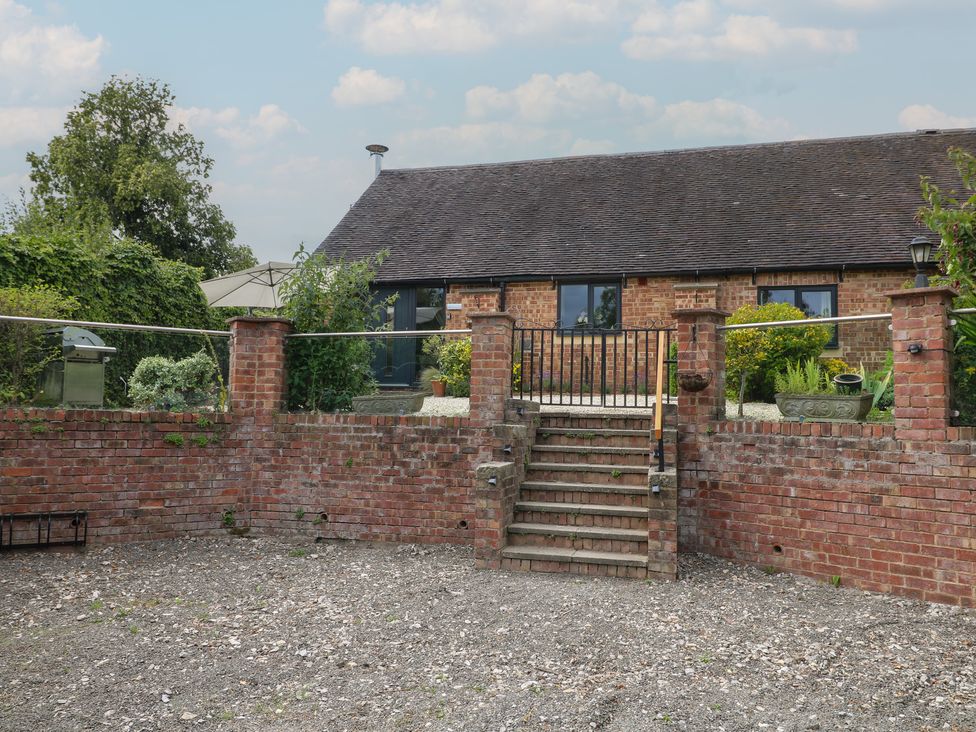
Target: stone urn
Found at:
389, 402
824, 407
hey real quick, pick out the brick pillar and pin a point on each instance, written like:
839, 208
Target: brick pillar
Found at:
701, 349
491, 366
257, 364
696, 295
919, 317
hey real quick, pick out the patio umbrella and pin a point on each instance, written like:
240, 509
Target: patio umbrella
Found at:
257, 287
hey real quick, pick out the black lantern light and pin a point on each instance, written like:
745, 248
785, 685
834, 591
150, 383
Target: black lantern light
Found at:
921, 250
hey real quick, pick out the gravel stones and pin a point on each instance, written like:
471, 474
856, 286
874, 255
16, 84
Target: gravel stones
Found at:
244, 634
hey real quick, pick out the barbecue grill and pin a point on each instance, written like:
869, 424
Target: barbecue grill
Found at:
77, 378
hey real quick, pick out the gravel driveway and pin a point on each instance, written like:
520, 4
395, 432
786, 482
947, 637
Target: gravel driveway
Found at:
263, 634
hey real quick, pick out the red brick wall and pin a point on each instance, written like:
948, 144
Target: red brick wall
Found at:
649, 301
848, 500
379, 478
118, 467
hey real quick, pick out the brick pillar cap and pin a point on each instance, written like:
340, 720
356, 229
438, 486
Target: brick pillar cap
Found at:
685, 312
257, 319
696, 286
947, 292
484, 316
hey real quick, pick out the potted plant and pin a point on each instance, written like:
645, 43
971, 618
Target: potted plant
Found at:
803, 392
432, 381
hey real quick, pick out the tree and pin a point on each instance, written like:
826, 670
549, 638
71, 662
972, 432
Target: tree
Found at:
120, 164
334, 296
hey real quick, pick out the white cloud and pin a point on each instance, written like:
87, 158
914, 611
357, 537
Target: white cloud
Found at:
927, 117
195, 118
544, 97
31, 52
270, 122
694, 29
19, 125
478, 142
359, 87
721, 119
456, 26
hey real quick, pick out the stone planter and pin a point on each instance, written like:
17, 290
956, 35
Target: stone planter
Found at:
390, 402
825, 407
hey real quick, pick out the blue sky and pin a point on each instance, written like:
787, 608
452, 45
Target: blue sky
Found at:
286, 95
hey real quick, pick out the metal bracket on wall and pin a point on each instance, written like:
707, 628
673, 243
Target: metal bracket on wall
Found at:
54, 528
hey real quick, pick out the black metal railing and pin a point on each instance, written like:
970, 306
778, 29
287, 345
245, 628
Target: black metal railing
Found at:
589, 367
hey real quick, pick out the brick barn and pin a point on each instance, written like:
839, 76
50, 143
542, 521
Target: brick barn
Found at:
609, 241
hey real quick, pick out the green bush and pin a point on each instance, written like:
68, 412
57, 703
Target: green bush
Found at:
120, 282
23, 353
453, 357
159, 382
331, 295
754, 356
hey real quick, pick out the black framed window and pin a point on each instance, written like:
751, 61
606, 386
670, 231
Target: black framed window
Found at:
815, 301
589, 305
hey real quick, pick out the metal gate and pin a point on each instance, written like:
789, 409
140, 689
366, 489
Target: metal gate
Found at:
591, 367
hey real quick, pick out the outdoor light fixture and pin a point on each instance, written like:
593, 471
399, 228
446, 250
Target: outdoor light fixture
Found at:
921, 249
915, 348
656, 489
493, 480
507, 449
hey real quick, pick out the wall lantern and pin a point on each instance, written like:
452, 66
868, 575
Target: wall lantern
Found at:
921, 250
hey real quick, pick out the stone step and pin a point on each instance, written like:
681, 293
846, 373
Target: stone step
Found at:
592, 455
585, 493
583, 421
574, 561
595, 509
599, 437
581, 514
611, 475
589, 538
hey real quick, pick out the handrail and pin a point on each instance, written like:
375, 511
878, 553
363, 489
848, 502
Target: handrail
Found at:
115, 326
659, 403
809, 321
383, 333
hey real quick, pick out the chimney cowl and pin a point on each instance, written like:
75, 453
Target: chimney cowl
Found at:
376, 151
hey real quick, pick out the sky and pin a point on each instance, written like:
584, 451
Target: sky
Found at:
286, 95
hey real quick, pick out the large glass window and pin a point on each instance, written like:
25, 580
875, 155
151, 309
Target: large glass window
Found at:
589, 305
815, 302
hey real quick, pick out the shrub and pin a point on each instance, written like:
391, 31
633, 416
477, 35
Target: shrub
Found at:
834, 366
159, 382
118, 282
453, 358
754, 356
804, 378
331, 295
23, 353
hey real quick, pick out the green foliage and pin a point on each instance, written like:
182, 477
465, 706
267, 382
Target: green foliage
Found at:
952, 216
120, 282
330, 295
200, 440
228, 520
120, 165
834, 366
754, 356
673, 378
23, 352
159, 382
880, 384
804, 378
453, 357
964, 382
173, 438
428, 375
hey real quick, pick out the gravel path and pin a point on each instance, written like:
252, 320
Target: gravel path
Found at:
261, 634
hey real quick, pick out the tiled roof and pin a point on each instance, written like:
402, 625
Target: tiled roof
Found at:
809, 204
